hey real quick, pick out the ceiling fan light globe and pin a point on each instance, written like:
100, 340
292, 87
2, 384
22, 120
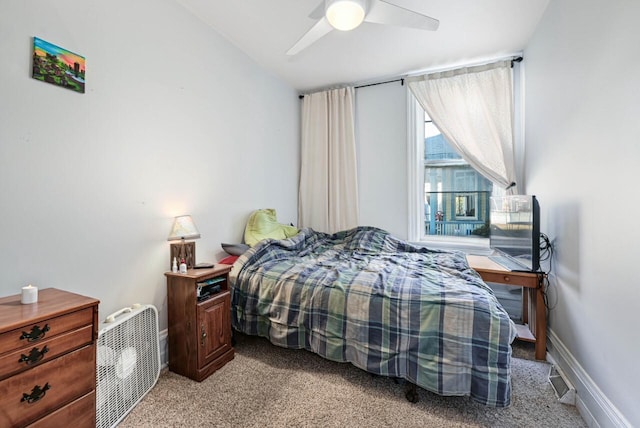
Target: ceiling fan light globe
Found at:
345, 15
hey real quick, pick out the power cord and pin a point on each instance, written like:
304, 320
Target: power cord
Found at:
546, 253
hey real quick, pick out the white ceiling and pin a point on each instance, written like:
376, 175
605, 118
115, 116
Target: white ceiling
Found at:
470, 31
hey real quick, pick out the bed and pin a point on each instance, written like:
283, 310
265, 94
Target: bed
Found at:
386, 306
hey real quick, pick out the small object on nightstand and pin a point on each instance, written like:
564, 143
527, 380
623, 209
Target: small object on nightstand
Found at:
183, 266
184, 228
174, 266
204, 266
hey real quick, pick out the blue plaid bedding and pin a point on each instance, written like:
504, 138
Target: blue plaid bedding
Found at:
388, 307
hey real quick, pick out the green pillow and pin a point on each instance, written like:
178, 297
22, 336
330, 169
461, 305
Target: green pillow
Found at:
262, 224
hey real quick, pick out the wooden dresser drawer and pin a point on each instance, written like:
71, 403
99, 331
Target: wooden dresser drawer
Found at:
43, 351
34, 333
63, 380
79, 414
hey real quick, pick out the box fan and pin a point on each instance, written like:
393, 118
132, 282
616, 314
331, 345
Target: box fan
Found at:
128, 362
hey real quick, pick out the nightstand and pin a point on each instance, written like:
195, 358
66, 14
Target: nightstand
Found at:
534, 316
199, 315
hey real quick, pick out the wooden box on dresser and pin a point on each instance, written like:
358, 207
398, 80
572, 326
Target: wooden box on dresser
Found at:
48, 360
199, 329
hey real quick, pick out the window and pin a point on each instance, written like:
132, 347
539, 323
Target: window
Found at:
456, 197
448, 200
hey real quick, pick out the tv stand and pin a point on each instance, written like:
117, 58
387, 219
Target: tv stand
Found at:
534, 314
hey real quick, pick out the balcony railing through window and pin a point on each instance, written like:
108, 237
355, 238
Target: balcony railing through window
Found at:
457, 213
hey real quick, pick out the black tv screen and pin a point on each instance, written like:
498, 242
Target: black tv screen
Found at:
515, 231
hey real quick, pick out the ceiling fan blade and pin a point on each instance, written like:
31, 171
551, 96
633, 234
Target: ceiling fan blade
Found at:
318, 12
321, 28
382, 12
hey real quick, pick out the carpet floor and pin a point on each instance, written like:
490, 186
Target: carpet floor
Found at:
268, 386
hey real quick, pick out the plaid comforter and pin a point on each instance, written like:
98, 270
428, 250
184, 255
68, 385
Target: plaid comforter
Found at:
388, 307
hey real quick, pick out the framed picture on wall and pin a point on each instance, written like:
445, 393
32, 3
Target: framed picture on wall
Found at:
58, 66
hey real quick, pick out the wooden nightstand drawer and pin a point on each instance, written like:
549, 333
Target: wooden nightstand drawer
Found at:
47, 387
43, 351
529, 280
33, 334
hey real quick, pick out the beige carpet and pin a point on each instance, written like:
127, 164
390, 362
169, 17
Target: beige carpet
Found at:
267, 386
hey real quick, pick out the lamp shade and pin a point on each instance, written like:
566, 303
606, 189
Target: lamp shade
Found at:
183, 228
344, 15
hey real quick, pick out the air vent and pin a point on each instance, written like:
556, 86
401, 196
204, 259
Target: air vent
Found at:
565, 392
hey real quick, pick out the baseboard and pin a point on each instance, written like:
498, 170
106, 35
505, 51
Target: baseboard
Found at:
594, 407
164, 347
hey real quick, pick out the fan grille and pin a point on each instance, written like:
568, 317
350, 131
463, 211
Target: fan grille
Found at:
128, 364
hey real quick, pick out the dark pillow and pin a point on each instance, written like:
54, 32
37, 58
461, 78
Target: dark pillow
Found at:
235, 249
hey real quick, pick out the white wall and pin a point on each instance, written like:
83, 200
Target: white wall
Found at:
582, 160
381, 134
175, 120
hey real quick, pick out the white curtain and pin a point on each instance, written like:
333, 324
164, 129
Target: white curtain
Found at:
328, 195
473, 108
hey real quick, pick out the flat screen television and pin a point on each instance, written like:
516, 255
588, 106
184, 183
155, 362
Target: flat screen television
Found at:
514, 232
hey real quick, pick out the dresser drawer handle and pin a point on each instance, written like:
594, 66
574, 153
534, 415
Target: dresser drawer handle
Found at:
36, 394
36, 333
34, 356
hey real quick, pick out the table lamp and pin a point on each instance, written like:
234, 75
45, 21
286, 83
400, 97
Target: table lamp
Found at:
183, 228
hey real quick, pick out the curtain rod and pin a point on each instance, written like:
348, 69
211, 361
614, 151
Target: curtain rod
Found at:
512, 58
401, 79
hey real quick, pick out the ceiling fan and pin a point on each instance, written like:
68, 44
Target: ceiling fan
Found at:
345, 15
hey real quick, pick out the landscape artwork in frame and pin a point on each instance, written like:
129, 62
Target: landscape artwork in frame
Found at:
56, 65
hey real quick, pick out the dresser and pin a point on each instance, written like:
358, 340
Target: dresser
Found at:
48, 360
